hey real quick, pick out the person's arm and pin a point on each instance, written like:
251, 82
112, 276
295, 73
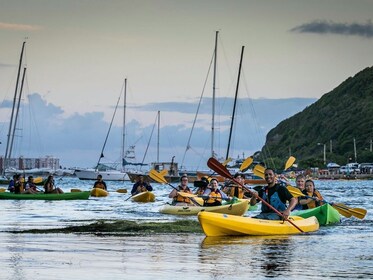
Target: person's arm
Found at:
172, 194
134, 189
105, 186
149, 187
293, 202
254, 198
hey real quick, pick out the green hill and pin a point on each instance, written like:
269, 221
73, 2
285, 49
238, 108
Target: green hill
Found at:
336, 119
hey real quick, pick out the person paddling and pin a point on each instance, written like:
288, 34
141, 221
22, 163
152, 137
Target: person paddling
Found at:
213, 196
49, 186
178, 199
100, 183
276, 194
141, 186
313, 199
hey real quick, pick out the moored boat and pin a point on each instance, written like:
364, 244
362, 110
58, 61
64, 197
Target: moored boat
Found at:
97, 192
43, 196
214, 224
325, 214
144, 197
238, 208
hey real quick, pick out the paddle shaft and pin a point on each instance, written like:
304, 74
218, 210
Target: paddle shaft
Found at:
219, 168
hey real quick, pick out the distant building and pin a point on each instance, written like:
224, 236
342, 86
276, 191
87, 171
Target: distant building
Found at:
21, 163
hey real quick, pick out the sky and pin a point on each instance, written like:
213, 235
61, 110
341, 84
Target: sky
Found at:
79, 52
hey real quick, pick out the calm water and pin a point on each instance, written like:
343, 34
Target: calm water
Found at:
341, 251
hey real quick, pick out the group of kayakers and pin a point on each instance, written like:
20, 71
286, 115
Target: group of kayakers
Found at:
277, 201
18, 186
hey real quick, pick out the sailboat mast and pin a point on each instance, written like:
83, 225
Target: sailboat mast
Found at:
124, 121
234, 104
7, 153
159, 124
213, 96
16, 113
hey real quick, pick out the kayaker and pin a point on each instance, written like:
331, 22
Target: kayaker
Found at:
201, 186
300, 184
11, 184
30, 187
100, 183
49, 186
18, 185
178, 199
315, 199
141, 186
276, 194
233, 189
213, 196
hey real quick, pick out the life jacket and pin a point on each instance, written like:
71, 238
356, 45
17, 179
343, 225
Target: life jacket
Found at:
274, 200
141, 188
100, 185
236, 191
313, 203
214, 196
180, 198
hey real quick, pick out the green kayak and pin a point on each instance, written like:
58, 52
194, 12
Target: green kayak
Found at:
325, 214
43, 196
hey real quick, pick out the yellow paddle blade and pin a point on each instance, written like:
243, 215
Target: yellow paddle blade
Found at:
187, 194
158, 177
226, 161
164, 172
75, 190
259, 171
121, 190
246, 163
2, 190
342, 211
294, 191
289, 162
356, 212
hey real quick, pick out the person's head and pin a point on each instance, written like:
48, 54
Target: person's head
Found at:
269, 176
310, 186
300, 181
184, 180
239, 177
140, 178
214, 183
99, 177
30, 178
50, 178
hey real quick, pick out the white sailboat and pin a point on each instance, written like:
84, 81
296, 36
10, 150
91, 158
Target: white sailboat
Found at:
108, 173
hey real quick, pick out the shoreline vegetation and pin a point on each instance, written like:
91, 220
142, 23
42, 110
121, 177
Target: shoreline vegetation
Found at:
123, 228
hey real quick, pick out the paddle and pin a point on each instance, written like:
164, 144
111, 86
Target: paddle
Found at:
289, 162
226, 161
221, 170
246, 163
259, 170
118, 190
341, 208
158, 177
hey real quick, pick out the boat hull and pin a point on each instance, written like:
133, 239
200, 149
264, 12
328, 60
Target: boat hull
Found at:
109, 175
325, 214
144, 197
214, 224
239, 208
43, 196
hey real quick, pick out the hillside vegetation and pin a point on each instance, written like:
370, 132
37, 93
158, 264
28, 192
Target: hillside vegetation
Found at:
336, 119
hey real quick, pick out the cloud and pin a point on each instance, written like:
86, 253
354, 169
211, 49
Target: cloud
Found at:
330, 27
19, 27
77, 140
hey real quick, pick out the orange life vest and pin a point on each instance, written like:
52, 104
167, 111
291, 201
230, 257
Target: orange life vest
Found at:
100, 186
180, 198
314, 203
236, 191
214, 196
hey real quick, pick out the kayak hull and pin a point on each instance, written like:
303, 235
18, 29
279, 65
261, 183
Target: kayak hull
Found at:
325, 214
239, 208
214, 224
97, 192
144, 197
43, 196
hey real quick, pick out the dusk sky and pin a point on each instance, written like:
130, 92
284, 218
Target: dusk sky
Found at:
79, 52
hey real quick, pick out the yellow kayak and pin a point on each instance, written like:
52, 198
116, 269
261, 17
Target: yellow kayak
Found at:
214, 224
144, 197
239, 208
98, 192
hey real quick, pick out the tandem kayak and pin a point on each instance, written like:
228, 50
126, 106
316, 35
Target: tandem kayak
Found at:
144, 197
325, 214
49, 196
238, 208
97, 192
214, 224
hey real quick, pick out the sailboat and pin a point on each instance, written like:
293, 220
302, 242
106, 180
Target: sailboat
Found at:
109, 173
170, 169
